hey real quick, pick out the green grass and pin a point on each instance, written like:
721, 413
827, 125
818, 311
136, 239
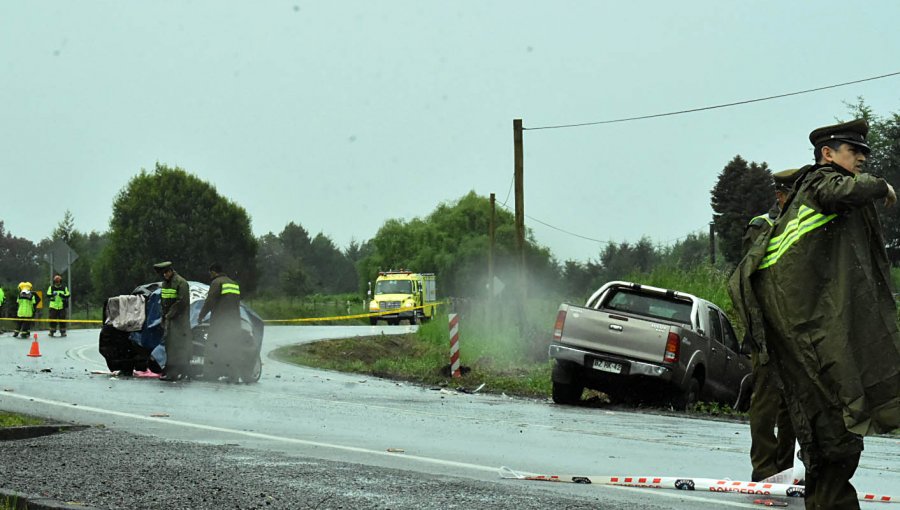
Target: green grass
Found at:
504, 354
17, 420
315, 306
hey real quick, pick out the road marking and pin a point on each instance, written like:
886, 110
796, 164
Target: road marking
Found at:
355, 449
77, 353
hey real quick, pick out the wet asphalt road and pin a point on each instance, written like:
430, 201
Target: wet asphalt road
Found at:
424, 440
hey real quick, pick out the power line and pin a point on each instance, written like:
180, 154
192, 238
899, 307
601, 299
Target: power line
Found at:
666, 243
737, 103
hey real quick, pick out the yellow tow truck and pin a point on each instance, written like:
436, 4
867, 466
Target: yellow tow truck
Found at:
403, 295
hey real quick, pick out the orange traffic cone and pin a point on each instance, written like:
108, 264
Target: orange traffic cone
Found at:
35, 348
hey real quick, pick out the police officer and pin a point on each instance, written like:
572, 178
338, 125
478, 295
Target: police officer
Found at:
59, 300
223, 355
770, 454
816, 295
175, 299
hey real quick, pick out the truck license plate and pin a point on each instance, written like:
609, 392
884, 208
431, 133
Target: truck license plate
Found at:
607, 366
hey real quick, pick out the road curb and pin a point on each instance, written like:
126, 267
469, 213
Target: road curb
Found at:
32, 431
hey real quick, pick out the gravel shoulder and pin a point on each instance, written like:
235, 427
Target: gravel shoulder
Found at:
98, 468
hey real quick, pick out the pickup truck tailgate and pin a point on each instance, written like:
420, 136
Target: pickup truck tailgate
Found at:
614, 333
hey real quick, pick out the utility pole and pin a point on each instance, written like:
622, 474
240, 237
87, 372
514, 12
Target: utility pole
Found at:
491, 249
520, 202
712, 243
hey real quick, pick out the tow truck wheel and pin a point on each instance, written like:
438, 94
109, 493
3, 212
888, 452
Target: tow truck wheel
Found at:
373, 321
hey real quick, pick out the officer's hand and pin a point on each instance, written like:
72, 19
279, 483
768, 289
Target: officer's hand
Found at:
891, 197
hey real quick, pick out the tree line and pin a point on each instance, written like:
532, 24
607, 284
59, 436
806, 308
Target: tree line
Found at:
169, 214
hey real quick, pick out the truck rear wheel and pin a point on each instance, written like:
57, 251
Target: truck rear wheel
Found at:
567, 393
567, 385
685, 400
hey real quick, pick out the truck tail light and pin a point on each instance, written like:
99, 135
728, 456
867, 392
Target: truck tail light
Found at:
558, 327
673, 348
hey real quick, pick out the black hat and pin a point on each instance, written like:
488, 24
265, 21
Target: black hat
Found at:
162, 266
853, 132
784, 179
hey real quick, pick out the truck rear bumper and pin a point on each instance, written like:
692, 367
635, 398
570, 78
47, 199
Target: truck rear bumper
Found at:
586, 358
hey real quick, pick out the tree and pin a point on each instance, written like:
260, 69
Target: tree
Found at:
291, 263
19, 261
884, 160
453, 241
741, 192
169, 214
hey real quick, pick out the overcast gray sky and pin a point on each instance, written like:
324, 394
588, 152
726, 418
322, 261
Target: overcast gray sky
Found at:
339, 115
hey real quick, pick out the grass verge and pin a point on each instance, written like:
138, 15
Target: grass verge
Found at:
17, 420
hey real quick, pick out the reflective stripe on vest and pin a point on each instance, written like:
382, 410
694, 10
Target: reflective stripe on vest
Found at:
807, 220
762, 217
231, 288
168, 293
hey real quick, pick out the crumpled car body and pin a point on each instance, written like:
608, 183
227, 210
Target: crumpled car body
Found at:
143, 349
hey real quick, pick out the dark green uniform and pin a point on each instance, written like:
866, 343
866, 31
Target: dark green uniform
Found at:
770, 454
816, 297
176, 310
223, 354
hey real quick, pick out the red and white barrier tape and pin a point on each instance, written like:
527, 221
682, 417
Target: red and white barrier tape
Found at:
685, 484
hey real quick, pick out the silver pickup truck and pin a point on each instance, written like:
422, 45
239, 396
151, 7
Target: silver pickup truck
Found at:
632, 339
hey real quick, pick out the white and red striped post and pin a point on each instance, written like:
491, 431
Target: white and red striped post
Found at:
454, 345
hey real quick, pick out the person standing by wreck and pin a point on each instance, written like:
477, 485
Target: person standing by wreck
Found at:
816, 296
223, 354
175, 299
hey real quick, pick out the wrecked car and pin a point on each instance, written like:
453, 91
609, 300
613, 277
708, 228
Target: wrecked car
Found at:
131, 337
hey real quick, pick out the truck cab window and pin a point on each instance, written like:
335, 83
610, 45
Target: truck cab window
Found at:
730, 338
715, 326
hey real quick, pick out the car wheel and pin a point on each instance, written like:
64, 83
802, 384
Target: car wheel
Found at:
567, 393
255, 372
685, 400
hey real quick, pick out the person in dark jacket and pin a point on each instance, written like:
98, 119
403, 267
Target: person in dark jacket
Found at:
815, 294
223, 354
58, 294
175, 297
770, 453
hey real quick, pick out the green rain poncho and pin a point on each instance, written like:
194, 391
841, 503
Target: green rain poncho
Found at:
815, 293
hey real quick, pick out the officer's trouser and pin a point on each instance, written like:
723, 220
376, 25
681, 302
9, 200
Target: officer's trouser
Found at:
24, 327
56, 325
179, 348
769, 454
828, 486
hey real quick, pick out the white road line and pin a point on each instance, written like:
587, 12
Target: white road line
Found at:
269, 437
78, 354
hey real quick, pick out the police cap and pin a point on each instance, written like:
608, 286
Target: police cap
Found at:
162, 266
853, 132
784, 179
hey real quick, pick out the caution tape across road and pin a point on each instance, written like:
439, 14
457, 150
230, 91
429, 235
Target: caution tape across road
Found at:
357, 315
289, 321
